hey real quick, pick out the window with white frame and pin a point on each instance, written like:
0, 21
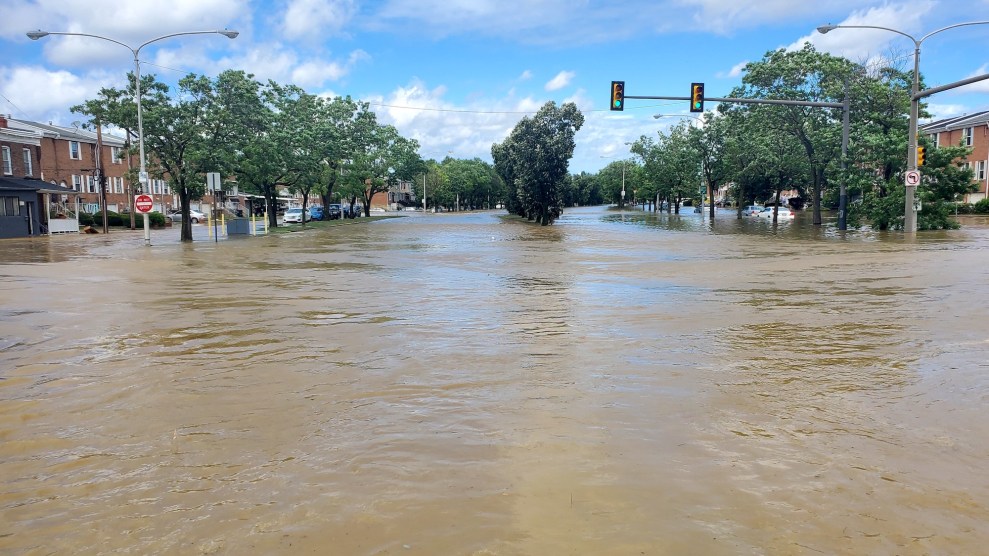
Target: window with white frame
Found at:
90, 184
28, 167
118, 185
967, 134
75, 153
8, 167
76, 182
115, 154
980, 170
934, 138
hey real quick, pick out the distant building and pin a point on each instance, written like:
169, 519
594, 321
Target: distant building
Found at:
968, 131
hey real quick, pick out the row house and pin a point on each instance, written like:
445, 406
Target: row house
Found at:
970, 131
67, 156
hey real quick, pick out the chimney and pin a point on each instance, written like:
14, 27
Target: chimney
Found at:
3, 121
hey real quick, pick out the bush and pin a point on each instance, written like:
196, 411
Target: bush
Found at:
982, 207
86, 219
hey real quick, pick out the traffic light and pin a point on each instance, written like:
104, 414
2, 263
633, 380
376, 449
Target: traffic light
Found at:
696, 97
618, 95
921, 154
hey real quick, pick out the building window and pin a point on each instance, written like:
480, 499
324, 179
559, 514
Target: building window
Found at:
115, 154
90, 185
8, 168
10, 206
934, 137
118, 185
74, 152
28, 167
980, 170
76, 182
967, 136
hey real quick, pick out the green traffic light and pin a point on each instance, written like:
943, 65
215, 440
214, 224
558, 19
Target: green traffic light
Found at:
618, 104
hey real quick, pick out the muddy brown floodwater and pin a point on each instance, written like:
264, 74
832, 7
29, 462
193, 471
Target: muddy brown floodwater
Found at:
463, 384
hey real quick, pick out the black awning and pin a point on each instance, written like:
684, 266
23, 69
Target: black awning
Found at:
30, 184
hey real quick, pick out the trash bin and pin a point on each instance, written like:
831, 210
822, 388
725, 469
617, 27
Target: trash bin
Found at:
238, 226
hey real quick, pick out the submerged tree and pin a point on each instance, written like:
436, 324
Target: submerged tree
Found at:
533, 161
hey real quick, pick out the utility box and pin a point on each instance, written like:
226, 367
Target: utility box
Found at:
238, 226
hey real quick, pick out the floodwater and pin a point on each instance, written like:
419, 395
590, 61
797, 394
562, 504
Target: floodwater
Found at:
618, 383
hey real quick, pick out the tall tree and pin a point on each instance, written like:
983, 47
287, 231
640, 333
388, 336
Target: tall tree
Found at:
534, 159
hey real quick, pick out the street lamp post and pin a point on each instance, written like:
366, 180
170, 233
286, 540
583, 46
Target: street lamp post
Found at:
909, 209
703, 190
424, 185
621, 204
143, 174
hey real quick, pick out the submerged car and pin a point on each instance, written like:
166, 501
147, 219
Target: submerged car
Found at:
783, 214
295, 215
752, 210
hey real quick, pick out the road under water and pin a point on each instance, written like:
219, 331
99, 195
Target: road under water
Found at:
618, 383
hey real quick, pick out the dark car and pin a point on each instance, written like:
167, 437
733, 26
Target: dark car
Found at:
334, 211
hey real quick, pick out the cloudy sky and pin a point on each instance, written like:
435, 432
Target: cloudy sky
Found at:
458, 74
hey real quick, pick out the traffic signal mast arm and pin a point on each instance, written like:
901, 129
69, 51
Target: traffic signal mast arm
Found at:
747, 101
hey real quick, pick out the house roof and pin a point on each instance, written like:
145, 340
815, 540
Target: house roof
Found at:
63, 132
958, 122
30, 184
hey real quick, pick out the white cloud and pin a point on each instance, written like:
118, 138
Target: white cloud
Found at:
978, 86
63, 90
735, 70
317, 19
527, 75
561, 80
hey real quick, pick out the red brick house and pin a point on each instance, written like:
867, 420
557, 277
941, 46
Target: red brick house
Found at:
67, 156
970, 131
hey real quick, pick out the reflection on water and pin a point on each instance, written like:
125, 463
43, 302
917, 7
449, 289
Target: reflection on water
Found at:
620, 383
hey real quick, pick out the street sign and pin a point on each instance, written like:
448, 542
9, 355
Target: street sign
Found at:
143, 203
912, 177
142, 177
213, 181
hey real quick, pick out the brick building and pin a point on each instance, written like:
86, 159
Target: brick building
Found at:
969, 131
67, 156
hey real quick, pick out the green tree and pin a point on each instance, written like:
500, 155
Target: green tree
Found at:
802, 75
533, 160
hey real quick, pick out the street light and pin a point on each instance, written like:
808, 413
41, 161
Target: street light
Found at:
622, 203
702, 190
909, 212
424, 172
143, 175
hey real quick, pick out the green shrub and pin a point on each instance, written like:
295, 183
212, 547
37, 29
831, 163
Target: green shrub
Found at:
86, 219
982, 207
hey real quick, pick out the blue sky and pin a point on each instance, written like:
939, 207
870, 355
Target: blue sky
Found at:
457, 75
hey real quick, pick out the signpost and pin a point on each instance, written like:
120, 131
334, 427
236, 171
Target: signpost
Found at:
143, 203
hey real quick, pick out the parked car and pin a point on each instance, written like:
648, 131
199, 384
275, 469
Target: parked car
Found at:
194, 216
295, 215
784, 213
316, 213
752, 210
334, 211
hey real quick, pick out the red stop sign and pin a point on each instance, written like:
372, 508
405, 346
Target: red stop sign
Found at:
143, 203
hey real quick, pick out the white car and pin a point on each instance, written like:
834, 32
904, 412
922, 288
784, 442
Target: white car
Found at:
194, 216
783, 214
295, 215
